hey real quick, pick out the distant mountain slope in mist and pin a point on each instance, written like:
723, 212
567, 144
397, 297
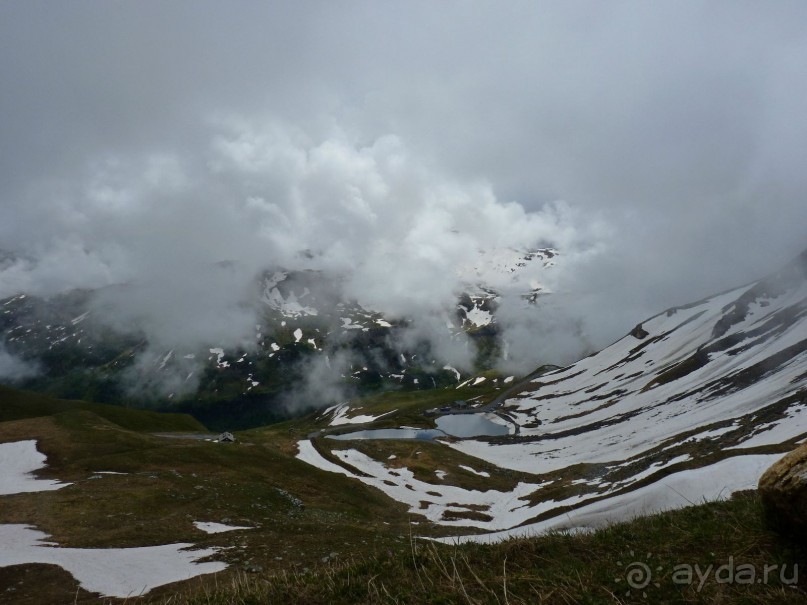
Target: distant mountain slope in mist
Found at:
694, 403
305, 327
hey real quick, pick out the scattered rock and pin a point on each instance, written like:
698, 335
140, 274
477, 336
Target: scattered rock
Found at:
295, 501
639, 332
783, 490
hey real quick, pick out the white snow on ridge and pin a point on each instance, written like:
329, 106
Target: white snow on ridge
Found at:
18, 460
679, 490
479, 317
308, 454
792, 426
289, 306
444, 503
340, 416
167, 358
77, 320
347, 324
501, 268
219, 353
474, 471
453, 369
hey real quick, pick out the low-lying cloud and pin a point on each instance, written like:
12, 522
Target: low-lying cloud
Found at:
13, 368
183, 237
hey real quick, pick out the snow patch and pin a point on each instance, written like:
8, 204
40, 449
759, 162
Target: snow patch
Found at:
340, 416
112, 572
474, 471
219, 353
18, 460
455, 370
211, 527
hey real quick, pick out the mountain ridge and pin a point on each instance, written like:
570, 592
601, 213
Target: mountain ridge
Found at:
305, 325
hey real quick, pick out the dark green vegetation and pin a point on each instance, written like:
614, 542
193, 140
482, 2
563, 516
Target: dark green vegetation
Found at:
16, 405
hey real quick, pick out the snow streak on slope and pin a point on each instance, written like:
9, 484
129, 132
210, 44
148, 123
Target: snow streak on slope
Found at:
714, 482
339, 415
437, 502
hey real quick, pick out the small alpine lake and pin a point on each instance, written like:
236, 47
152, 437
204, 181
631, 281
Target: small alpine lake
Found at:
453, 425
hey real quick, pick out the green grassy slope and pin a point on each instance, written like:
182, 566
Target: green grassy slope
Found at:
299, 514
320, 537
16, 404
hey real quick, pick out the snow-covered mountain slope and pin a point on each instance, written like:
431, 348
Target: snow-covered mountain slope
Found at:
725, 368
483, 279
694, 403
507, 269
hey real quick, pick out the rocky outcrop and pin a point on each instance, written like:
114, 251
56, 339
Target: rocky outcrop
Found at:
783, 489
639, 332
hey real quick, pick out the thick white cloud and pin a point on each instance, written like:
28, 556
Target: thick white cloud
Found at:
144, 142
394, 230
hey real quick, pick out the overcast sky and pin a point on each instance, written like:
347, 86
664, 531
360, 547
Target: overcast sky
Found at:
659, 145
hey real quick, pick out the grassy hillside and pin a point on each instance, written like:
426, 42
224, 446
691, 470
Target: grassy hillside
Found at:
320, 537
299, 514
16, 404
727, 541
